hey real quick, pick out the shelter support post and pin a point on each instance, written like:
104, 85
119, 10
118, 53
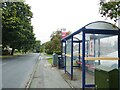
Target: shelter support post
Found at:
83, 61
119, 57
119, 50
62, 50
72, 58
79, 53
94, 48
65, 57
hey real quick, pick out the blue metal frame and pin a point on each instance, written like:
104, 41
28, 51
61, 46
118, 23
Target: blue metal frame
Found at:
99, 31
65, 57
94, 48
79, 53
62, 51
83, 60
119, 50
76, 41
90, 85
119, 58
72, 58
91, 31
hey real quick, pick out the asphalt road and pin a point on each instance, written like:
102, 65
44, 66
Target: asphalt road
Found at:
16, 71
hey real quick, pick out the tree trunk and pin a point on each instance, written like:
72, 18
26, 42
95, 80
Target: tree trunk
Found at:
12, 52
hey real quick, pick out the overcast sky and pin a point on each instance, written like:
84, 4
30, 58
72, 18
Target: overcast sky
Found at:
49, 15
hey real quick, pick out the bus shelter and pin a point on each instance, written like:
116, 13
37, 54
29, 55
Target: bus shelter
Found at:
94, 44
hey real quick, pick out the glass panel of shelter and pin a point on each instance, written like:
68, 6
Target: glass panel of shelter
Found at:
100, 45
64, 52
68, 56
75, 53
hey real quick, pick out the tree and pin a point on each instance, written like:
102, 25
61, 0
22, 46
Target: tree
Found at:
48, 47
42, 47
56, 41
110, 9
54, 45
37, 46
17, 30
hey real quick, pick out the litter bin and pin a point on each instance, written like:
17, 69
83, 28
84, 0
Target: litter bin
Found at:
60, 62
55, 59
106, 78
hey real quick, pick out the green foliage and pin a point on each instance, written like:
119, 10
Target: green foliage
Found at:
37, 46
17, 31
48, 47
0, 12
54, 45
56, 41
58, 52
42, 47
110, 9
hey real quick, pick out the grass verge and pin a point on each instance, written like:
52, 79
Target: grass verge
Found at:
50, 60
10, 56
49, 55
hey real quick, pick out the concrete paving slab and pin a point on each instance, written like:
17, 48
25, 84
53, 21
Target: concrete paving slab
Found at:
47, 76
76, 83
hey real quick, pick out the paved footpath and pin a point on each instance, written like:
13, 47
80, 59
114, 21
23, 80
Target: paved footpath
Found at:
47, 76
